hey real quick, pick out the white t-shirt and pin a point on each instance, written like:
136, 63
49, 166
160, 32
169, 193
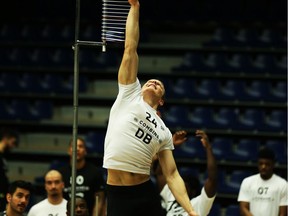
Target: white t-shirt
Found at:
135, 132
264, 196
44, 208
202, 204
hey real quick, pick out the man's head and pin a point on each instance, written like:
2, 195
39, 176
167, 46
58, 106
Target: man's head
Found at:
54, 183
80, 207
153, 91
192, 185
81, 149
8, 140
266, 162
18, 196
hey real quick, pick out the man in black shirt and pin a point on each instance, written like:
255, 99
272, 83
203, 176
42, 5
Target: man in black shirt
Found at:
89, 180
8, 140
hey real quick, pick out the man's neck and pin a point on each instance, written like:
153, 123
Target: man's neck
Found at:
10, 212
55, 200
2, 147
79, 164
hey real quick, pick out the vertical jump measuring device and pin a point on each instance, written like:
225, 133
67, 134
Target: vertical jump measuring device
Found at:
114, 15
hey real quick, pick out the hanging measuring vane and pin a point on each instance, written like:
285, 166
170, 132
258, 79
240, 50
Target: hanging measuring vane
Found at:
114, 15
114, 20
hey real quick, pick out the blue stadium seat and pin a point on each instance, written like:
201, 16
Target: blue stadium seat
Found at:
245, 150
188, 171
264, 63
240, 63
232, 90
221, 147
201, 117
62, 58
225, 118
280, 149
191, 62
208, 89
278, 92
215, 62
51, 83
232, 210
251, 119
192, 148
176, 116
281, 65
276, 121
257, 90
68, 85
22, 110
43, 109
95, 142
222, 37
246, 38
271, 38
9, 82
234, 181
30, 83
185, 88
215, 210
4, 111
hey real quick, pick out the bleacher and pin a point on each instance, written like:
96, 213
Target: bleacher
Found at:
224, 66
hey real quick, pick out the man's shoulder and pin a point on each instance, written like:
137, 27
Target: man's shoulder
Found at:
279, 179
64, 168
39, 205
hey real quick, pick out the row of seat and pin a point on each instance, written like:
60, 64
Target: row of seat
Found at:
255, 119
244, 37
211, 62
228, 89
24, 110
55, 58
243, 149
47, 32
200, 89
40, 83
235, 63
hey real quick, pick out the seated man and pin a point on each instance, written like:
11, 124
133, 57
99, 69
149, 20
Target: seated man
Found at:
202, 203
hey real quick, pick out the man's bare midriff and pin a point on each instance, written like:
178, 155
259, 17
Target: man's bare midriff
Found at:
124, 178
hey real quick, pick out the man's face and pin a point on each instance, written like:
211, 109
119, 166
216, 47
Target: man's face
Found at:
54, 184
18, 201
10, 143
265, 167
81, 150
154, 86
80, 208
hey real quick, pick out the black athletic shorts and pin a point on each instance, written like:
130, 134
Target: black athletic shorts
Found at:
136, 200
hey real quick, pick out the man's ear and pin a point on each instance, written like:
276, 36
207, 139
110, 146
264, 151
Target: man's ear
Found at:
161, 102
8, 197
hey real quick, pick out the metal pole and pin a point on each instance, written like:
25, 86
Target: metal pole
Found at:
75, 105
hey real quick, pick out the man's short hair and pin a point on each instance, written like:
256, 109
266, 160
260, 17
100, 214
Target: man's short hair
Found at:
78, 138
20, 184
68, 205
9, 133
266, 153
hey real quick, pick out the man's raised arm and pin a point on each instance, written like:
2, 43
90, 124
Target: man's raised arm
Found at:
129, 66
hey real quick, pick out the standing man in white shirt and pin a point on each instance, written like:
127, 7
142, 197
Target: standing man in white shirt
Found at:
54, 204
265, 193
